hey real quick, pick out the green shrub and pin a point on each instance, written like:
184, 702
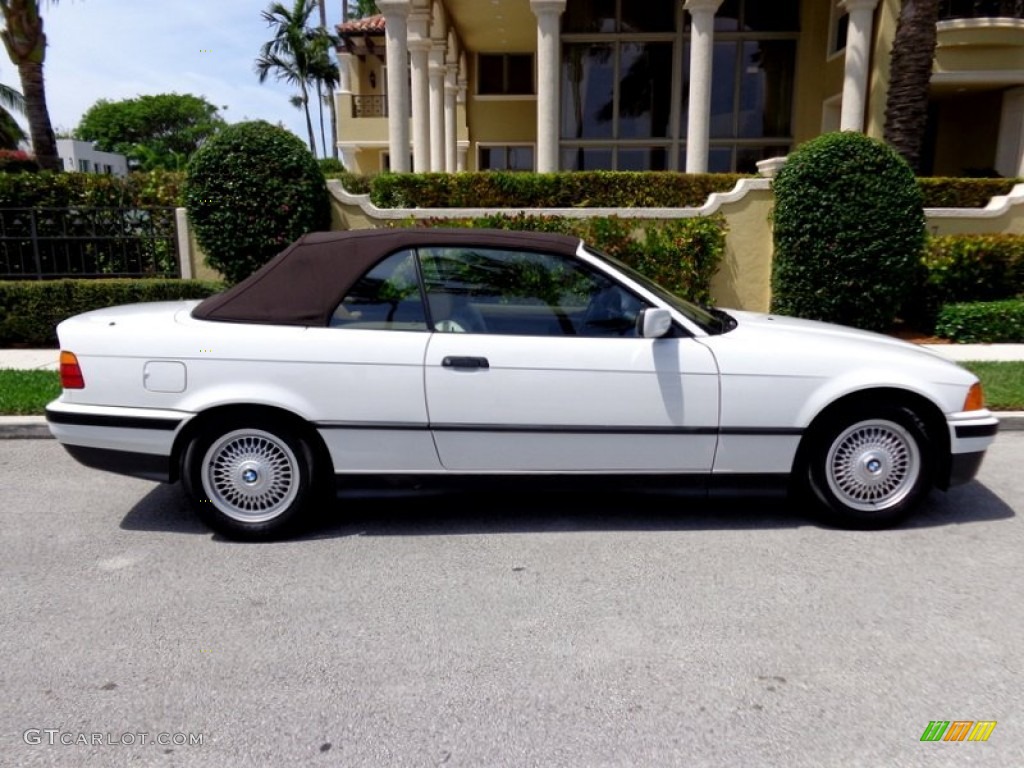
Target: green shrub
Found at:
849, 231
587, 189
990, 322
682, 254
30, 310
355, 183
251, 190
69, 190
330, 165
942, 192
964, 268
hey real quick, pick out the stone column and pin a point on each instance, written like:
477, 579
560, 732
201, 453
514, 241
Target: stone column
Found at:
702, 37
348, 159
451, 94
396, 16
437, 111
345, 73
548, 67
462, 83
419, 49
1010, 143
855, 64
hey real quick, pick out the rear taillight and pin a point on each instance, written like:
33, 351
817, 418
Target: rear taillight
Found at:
70, 372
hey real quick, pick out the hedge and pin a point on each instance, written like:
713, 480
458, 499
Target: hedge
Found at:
966, 268
585, 189
942, 192
30, 310
68, 190
682, 255
990, 322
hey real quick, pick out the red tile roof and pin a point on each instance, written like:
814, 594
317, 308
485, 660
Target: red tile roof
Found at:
367, 26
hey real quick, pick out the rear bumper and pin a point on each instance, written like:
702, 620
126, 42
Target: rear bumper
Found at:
138, 442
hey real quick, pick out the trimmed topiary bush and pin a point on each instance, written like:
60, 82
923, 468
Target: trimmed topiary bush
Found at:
251, 190
986, 322
849, 231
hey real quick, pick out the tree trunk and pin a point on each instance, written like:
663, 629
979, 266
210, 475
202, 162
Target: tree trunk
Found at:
320, 114
913, 51
44, 143
309, 122
334, 124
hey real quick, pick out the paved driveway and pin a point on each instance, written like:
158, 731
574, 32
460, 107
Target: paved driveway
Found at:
639, 631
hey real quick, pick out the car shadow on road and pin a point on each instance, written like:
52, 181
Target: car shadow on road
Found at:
390, 512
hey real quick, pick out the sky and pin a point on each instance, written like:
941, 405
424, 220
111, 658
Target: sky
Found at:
118, 49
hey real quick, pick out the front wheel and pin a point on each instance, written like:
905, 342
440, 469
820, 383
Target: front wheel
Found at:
870, 467
249, 482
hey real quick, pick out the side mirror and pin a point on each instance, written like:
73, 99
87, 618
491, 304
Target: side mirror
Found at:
653, 322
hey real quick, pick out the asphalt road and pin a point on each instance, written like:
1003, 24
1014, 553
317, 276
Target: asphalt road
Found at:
639, 631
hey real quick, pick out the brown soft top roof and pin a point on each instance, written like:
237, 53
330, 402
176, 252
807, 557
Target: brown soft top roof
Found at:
304, 284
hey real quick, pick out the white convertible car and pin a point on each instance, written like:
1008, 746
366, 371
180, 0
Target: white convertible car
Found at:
470, 352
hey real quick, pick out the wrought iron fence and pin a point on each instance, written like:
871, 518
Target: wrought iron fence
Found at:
44, 243
977, 9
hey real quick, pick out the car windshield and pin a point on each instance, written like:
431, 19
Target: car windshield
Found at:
709, 319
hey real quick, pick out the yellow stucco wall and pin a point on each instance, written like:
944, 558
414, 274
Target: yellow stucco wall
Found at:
818, 76
743, 280
497, 121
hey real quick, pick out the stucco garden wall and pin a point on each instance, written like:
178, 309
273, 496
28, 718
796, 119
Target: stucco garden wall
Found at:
743, 280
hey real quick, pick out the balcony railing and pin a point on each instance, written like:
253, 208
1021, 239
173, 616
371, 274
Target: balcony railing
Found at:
369, 106
981, 9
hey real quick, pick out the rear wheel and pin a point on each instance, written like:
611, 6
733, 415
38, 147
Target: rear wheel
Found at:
250, 482
870, 467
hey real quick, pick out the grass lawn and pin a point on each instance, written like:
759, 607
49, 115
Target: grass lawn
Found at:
27, 392
1003, 383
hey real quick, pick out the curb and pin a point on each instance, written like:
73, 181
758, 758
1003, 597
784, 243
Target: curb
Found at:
34, 427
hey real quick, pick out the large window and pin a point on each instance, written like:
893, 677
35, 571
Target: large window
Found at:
515, 157
625, 84
505, 74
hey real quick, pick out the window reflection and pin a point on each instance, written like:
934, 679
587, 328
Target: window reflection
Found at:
622, 73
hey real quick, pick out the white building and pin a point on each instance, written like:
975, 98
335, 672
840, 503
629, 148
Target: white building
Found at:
84, 157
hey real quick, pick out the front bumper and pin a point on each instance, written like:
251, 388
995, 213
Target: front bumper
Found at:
970, 435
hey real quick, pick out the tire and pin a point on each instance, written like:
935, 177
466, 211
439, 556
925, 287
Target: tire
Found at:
250, 481
870, 467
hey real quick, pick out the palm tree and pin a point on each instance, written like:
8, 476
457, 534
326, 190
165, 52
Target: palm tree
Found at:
322, 5
25, 41
913, 49
325, 76
10, 132
288, 55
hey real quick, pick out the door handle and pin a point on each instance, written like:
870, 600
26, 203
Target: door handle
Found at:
465, 362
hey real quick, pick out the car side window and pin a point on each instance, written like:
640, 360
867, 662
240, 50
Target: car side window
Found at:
385, 298
485, 290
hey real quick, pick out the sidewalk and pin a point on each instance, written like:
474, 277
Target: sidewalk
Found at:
12, 427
